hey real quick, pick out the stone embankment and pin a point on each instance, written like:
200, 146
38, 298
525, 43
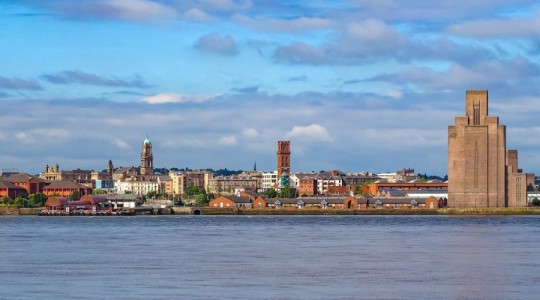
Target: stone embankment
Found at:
502, 211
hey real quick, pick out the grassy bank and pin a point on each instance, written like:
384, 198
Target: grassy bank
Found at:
501, 211
446, 211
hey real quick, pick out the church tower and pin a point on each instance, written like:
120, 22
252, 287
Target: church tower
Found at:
110, 167
147, 159
476, 156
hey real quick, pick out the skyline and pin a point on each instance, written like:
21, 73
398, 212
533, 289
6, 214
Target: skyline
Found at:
354, 85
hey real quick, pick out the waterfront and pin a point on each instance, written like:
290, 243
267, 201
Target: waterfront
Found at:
269, 257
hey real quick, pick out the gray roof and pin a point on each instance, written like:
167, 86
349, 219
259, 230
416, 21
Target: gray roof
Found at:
123, 197
165, 178
283, 200
329, 200
430, 191
396, 200
123, 169
8, 185
23, 177
237, 199
58, 184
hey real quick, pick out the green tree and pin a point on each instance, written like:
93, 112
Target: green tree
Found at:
37, 199
21, 202
6, 200
530, 187
200, 199
287, 192
75, 195
151, 194
271, 193
536, 202
98, 192
192, 190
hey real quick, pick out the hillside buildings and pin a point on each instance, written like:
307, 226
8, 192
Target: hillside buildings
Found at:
481, 172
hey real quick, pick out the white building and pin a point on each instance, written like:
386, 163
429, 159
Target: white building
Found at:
294, 181
139, 188
269, 180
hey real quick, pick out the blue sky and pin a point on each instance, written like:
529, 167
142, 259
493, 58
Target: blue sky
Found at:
355, 85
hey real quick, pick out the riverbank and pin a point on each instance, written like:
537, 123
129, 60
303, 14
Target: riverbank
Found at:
501, 211
445, 211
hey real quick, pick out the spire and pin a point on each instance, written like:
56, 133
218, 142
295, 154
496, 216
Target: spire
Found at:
255, 166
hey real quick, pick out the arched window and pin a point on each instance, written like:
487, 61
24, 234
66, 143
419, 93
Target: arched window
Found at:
259, 205
300, 204
278, 204
324, 204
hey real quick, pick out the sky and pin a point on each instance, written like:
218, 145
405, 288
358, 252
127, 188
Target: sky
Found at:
355, 85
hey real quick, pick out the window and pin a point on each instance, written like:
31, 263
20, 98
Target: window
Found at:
300, 204
278, 204
259, 205
431, 205
378, 204
414, 204
396, 206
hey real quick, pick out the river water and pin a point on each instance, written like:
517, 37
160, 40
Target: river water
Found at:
269, 257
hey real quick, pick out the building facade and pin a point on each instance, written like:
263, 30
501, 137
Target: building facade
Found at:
481, 172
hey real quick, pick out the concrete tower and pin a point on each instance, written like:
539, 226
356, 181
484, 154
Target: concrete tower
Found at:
147, 159
476, 156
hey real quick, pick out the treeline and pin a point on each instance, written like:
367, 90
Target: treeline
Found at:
32, 200
432, 177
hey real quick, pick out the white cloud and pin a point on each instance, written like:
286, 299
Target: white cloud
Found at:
116, 9
121, 144
217, 44
227, 141
292, 25
175, 98
139, 9
396, 94
250, 133
226, 5
313, 132
196, 14
488, 28
24, 137
372, 30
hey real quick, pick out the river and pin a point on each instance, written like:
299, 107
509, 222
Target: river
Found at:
269, 257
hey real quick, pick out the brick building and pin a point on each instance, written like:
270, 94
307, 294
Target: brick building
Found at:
481, 172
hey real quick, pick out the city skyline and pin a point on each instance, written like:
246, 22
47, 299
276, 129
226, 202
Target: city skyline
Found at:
354, 85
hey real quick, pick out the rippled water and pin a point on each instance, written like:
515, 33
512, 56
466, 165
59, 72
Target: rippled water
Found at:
269, 257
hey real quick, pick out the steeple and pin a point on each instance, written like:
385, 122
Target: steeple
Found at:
110, 167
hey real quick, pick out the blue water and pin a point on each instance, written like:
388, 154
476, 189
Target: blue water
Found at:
269, 257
